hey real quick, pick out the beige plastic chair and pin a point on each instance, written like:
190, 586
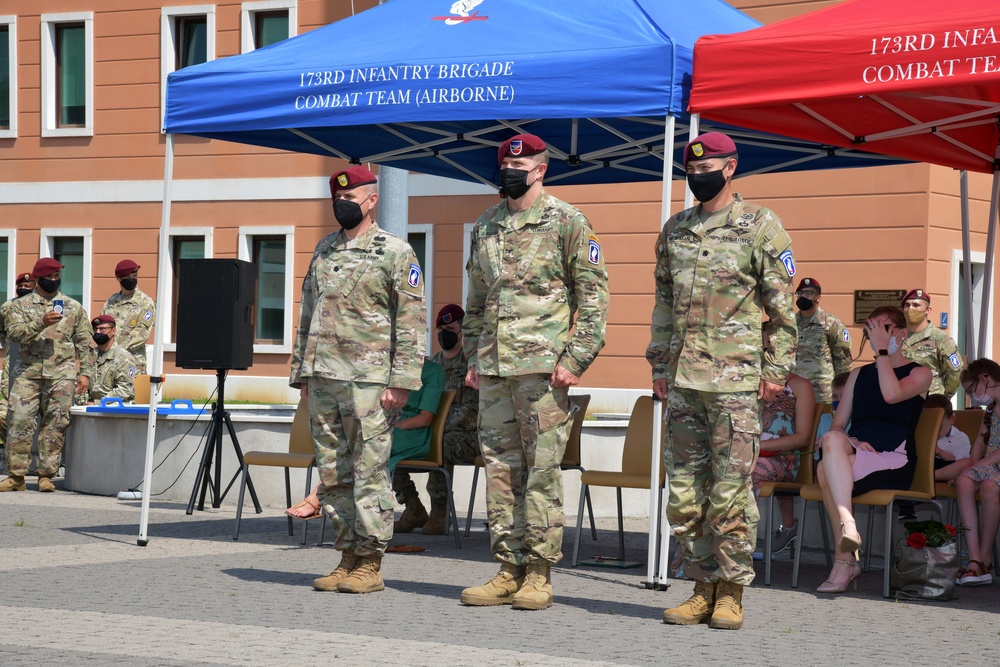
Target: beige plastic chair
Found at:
635, 472
301, 454
921, 490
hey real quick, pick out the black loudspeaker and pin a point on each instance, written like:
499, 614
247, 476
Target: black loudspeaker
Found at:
215, 299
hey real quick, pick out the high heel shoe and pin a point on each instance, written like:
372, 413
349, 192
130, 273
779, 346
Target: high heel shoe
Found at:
849, 541
831, 585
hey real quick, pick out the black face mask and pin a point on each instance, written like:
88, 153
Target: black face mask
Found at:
129, 283
101, 338
514, 182
21, 291
803, 303
706, 186
50, 286
447, 339
348, 213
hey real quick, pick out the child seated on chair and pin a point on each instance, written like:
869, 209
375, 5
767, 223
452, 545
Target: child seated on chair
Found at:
951, 458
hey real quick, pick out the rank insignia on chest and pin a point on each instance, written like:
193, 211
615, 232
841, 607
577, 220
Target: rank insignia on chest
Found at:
595, 251
786, 259
148, 316
955, 361
847, 336
414, 277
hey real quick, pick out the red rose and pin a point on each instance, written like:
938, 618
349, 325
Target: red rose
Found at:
951, 529
916, 540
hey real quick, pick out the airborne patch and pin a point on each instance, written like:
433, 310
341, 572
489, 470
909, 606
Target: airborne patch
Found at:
955, 361
131, 371
697, 149
342, 180
786, 259
414, 277
148, 316
515, 147
595, 250
847, 336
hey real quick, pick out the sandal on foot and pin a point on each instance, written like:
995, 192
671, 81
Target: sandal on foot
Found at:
304, 507
974, 576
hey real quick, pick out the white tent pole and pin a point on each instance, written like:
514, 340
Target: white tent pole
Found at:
988, 282
668, 169
156, 367
692, 133
970, 324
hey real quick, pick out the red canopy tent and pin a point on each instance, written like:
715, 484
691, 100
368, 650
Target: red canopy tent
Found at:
917, 79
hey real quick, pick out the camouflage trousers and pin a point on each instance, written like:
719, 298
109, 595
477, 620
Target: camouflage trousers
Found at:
712, 449
524, 425
353, 440
457, 446
29, 398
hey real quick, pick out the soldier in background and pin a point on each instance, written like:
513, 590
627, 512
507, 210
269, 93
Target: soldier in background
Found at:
24, 284
535, 263
461, 438
54, 338
358, 353
114, 369
716, 265
929, 346
133, 310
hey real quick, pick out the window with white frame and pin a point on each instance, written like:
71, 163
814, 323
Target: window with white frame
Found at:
272, 251
185, 243
187, 37
8, 77
264, 23
67, 43
73, 249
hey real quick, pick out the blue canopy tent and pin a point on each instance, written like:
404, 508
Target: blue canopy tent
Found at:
415, 85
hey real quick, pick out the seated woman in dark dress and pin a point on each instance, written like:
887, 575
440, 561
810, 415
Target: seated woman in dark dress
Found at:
882, 403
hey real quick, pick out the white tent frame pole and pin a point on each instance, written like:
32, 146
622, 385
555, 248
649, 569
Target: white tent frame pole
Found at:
988, 283
970, 325
156, 367
693, 131
668, 169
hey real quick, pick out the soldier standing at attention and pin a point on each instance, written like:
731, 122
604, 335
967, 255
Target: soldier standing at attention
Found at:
535, 263
114, 369
717, 265
929, 346
134, 311
358, 354
54, 338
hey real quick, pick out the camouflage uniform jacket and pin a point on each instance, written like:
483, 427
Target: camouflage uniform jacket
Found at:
711, 282
824, 351
464, 413
114, 374
935, 349
530, 273
362, 317
135, 316
51, 353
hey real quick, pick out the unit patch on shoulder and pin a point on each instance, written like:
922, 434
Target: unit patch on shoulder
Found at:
786, 259
847, 336
955, 361
148, 316
131, 371
595, 250
414, 277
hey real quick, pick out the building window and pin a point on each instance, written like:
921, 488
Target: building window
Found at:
67, 74
187, 37
72, 249
264, 23
271, 249
182, 247
8, 77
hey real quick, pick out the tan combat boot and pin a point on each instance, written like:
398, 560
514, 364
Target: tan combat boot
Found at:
12, 483
413, 517
348, 562
366, 577
436, 521
696, 609
45, 485
728, 614
536, 592
497, 590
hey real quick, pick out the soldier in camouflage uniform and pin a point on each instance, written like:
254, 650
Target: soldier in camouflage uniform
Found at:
535, 263
929, 346
24, 284
114, 369
718, 265
461, 437
52, 344
358, 353
134, 311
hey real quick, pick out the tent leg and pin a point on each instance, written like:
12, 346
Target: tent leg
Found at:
988, 282
970, 329
693, 131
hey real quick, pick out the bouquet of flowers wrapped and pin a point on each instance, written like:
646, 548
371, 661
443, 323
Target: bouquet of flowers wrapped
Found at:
929, 534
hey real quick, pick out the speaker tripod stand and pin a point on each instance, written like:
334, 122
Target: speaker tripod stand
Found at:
213, 449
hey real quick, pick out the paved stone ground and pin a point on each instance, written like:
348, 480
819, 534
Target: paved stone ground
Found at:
75, 589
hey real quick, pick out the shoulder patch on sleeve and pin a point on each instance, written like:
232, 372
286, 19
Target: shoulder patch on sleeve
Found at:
846, 335
788, 261
954, 359
131, 371
594, 253
148, 316
413, 279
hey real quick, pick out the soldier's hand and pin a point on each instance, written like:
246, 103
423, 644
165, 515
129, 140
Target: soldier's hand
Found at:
563, 378
394, 398
769, 390
660, 388
82, 384
472, 378
51, 317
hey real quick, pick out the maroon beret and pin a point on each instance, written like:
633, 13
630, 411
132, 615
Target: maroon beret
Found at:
710, 144
520, 145
917, 294
449, 314
102, 319
125, 267
350, 178
811, 283
46, 266
24, 278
